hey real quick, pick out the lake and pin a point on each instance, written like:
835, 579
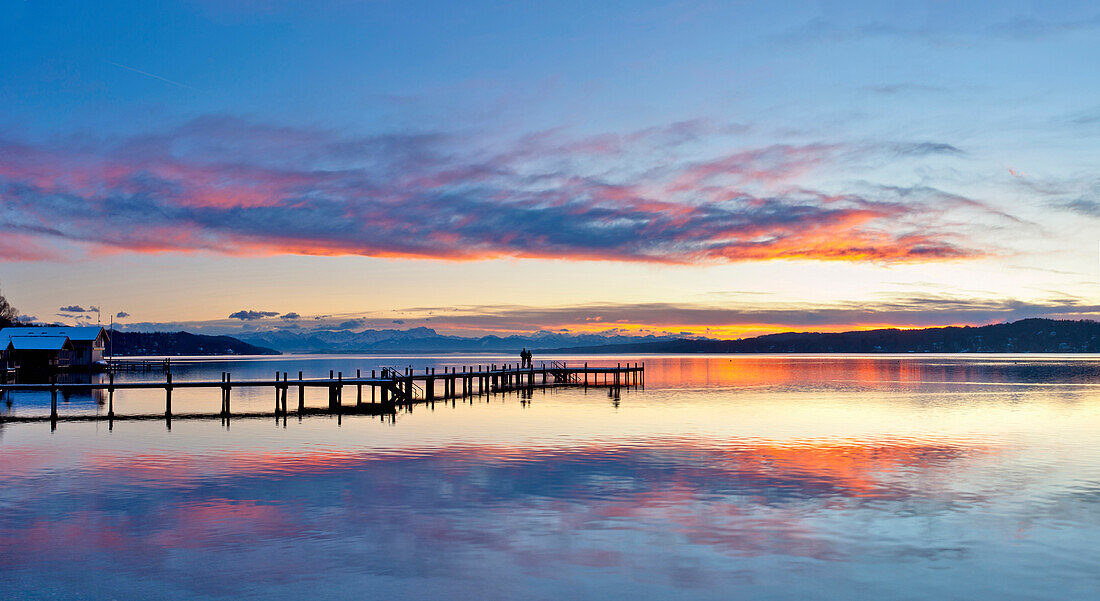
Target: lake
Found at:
755, 477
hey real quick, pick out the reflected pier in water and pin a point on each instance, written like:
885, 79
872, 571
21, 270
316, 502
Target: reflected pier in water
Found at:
390, 389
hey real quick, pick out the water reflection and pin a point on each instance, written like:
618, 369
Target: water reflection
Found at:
567, 508
769, 478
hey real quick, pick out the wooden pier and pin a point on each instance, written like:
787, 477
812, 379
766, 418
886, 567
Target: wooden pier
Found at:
389, 389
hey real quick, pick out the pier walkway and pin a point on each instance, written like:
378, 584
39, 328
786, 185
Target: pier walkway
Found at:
389, 388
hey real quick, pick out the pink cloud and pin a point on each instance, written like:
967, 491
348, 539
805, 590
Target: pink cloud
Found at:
230, 186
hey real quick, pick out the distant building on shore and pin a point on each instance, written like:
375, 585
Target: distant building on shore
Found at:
52, 349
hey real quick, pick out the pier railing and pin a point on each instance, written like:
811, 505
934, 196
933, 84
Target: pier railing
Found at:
560, 371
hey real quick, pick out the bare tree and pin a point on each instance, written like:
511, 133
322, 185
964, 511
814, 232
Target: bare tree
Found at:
8, 314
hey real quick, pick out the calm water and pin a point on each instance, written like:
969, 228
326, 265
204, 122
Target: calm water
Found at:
914, 477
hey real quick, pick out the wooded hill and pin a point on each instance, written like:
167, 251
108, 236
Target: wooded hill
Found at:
180, 343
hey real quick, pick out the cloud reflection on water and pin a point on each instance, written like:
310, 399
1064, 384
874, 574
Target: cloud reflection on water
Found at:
567, 508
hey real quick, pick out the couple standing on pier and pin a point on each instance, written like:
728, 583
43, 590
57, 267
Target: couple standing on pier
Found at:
525, 359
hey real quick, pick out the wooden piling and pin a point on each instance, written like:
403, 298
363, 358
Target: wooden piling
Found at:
168, 398
301, 394
228, 392
285, 387
111, 396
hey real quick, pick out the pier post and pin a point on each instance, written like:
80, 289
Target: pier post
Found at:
111, 396
53, 398
285, 387
228, 392
168, 399
301, 394
358, 390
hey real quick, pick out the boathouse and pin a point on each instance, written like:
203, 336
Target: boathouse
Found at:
38, 354
86, 343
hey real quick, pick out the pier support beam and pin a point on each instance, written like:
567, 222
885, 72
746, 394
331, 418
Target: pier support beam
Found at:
301, 394
111, 396
168, 398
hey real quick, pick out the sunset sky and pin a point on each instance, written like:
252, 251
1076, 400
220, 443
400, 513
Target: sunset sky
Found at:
716, 168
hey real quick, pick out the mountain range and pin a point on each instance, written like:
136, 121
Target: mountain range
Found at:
427, 340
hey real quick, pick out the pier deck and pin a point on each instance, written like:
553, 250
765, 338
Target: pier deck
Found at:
389, 388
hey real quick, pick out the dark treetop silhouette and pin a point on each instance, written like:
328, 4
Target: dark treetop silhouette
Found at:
8, 314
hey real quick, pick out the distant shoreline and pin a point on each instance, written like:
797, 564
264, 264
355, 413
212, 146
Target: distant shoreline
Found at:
1028, 336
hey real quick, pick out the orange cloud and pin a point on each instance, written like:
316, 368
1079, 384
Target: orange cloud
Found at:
228, 186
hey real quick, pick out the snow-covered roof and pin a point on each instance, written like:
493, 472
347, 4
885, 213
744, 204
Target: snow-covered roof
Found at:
39, 343
77, 334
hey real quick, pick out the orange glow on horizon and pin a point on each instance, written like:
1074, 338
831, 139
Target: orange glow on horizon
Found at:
719, 332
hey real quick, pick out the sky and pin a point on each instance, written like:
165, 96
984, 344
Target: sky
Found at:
712, 168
